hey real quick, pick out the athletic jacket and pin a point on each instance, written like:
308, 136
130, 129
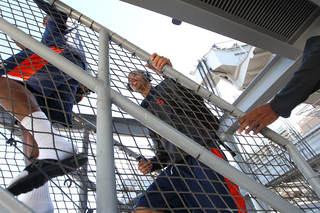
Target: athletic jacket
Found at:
186, 112
305, 81
31, 68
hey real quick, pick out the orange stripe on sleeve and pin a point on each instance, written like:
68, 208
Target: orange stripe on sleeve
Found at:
31, 65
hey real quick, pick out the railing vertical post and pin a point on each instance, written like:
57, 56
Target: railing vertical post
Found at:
106, 181
83, 191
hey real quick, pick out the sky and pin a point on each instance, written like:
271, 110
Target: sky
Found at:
183, 44
152, 32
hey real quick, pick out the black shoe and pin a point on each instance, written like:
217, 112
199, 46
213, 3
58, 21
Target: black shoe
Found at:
40, 171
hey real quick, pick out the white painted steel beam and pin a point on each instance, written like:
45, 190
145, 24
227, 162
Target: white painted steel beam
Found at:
106, 180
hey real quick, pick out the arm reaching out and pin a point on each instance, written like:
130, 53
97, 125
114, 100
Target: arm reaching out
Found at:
59, 17
260, 117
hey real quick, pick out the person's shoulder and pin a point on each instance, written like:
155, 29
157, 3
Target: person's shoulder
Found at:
317, 37
144, 104
165, 85
167, 81
312, 40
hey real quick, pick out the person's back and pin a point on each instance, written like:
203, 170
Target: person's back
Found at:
186, 112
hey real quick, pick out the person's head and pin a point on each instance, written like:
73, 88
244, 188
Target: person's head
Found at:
139, 81
45, 20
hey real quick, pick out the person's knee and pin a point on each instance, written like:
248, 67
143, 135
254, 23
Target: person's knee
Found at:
3, 81
11, 84
141, 209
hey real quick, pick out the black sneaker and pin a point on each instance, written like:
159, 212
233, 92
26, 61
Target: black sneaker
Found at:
40, 171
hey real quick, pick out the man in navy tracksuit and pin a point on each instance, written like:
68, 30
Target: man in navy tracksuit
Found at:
33, 90
185, 183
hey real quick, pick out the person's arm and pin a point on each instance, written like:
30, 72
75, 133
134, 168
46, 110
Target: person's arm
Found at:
54, 23
153, 164
161, 157
159, 160
19, 45
145, 167
194, 102
305, 81
58, 18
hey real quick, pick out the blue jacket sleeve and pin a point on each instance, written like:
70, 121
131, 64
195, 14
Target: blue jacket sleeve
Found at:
57, 16
161, 157
305, 81
56, 27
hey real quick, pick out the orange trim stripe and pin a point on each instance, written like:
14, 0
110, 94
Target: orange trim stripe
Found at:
234, 189
31, 65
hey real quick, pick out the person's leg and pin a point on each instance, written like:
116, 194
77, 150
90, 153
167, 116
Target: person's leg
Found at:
49, 143
209, 189
29, 145
21, 103
163, 192
39, 200
16, 99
